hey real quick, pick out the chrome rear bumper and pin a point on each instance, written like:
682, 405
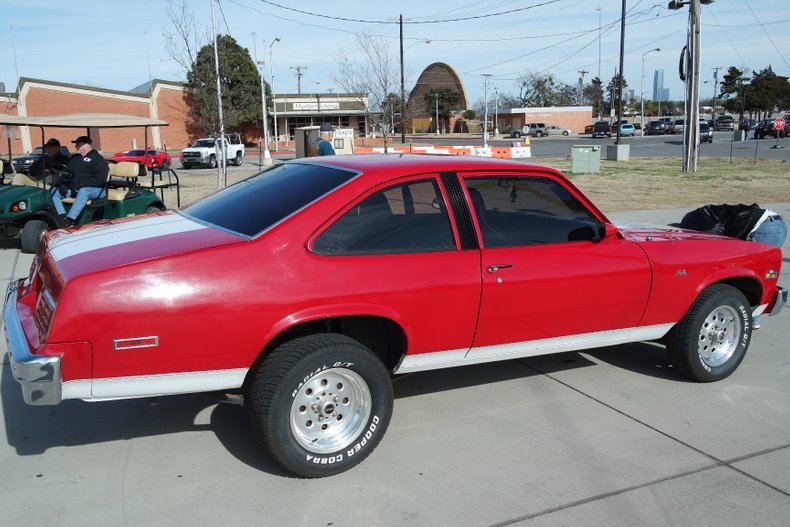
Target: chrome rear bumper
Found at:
39, 375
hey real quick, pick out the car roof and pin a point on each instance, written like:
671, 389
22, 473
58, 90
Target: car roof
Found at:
390, 165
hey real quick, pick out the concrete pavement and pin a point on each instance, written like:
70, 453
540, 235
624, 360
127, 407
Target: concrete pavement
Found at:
609, 437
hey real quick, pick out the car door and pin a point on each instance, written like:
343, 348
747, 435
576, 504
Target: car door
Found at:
547, 274
400, 241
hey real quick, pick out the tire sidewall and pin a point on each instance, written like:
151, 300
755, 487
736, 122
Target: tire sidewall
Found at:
721, 298
357, 359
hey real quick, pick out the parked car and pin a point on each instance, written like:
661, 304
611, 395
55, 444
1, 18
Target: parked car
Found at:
766, 128
556, 130
678, 126
655, 128
602, 129
22, 163
531, 129
150, 158
705, 133
669, 123
348, 269
723, 123
627, 130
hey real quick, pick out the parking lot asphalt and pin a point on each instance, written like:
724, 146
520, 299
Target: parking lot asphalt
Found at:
603, 438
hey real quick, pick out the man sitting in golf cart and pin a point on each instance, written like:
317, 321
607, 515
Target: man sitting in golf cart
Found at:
42, 167
90, 171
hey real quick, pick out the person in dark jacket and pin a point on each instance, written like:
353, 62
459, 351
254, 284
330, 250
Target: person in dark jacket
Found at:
52, 158
90, 172
322, 145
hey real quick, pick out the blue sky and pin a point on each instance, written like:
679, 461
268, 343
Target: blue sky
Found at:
114, 44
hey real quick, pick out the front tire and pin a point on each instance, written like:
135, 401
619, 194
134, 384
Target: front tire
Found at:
320, 404
711, 339
237, 161
212, 162
32, 234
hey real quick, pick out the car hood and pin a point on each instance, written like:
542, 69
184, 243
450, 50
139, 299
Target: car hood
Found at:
107, 245
197, 148
30, 158
645, 232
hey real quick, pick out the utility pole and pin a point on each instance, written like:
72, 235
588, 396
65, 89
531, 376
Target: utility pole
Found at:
267, 157
715, 87
620, 79
402, 89
222, 154
496, 112
582, 73
485, 120
299, 77
600, 92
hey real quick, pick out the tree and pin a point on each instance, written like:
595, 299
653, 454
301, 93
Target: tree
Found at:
183, 36
445, 102
374, 80
536, 90
594, 93
612, 90
240, 83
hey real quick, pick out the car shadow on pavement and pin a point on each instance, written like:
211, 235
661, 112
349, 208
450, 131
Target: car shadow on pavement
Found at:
12, 243
644, 358
33, 430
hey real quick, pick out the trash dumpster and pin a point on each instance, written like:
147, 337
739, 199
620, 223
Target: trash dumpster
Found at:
585, 159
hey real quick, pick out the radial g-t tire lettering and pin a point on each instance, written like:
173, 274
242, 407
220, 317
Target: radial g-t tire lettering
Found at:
711, 340
320, 404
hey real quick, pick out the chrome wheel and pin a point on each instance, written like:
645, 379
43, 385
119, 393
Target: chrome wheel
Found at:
720, 335
330, 410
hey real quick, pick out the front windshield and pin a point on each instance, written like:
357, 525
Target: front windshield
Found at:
135, 153
251, 206
37, 151
204, 143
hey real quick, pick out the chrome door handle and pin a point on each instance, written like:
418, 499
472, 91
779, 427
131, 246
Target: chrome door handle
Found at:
496, 267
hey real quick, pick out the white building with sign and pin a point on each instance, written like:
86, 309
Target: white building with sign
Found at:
343, 110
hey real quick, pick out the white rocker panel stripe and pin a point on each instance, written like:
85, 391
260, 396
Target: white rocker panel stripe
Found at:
153, 385
532, 348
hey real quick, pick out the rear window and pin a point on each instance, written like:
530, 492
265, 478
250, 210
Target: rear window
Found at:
251, 206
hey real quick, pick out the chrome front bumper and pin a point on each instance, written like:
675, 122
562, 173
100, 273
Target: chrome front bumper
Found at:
781, 300
39, 375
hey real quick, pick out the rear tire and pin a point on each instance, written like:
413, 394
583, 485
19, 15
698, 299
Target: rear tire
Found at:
32, 234
711, 339
320, 404
150, 209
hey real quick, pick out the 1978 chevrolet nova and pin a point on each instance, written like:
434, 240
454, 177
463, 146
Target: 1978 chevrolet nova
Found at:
305, 287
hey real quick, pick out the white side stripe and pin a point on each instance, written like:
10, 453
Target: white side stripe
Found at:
154, 385
533, 348
112, 235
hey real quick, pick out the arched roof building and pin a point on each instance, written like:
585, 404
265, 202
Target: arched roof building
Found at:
437, 75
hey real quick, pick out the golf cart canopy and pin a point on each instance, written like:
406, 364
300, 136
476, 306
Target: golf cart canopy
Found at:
81, 120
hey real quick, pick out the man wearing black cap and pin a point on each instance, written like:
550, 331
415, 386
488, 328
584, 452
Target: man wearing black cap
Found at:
321, 146
90, 176
41, 167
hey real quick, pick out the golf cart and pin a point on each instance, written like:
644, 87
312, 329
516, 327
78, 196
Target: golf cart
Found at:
27, 210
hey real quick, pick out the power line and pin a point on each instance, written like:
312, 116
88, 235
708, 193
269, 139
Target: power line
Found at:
437, 21
766, 33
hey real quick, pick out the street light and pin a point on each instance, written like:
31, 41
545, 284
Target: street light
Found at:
642, 90
267, 157
274, 99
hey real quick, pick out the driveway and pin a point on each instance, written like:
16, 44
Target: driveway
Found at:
608, 437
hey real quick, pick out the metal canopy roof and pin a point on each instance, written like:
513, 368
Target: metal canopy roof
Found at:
81, 120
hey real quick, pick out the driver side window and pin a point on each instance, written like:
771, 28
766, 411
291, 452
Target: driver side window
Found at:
519, 211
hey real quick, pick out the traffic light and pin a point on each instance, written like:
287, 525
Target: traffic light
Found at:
677, 4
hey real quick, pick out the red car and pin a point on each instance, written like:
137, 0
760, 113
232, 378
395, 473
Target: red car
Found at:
305, 287
149, 158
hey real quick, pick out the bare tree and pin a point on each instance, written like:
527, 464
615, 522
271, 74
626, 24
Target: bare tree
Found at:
186, 37
372, 80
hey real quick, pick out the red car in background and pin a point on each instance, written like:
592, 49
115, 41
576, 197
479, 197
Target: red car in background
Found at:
150, 158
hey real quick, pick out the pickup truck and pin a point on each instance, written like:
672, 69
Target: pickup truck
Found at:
601, 129
205, 152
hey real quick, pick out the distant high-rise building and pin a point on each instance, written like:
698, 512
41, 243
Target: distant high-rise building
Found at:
659, 92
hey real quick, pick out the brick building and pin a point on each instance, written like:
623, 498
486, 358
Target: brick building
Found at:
158, 99
573, 117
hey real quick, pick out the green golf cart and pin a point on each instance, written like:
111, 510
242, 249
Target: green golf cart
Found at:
27, 210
